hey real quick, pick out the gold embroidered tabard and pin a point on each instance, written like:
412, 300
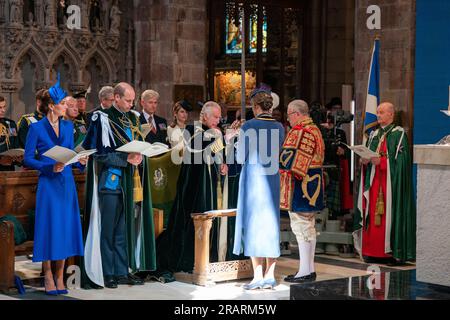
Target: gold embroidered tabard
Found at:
302, 151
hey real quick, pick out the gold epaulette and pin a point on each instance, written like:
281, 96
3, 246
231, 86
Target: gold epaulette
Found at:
217, 145
25, 116
79, 121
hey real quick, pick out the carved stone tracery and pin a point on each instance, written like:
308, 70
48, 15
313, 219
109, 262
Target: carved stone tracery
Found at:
30, 33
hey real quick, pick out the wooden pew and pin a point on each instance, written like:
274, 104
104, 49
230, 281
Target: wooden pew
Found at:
17, 196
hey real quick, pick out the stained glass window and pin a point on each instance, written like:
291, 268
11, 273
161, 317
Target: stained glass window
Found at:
254, 33
233, 39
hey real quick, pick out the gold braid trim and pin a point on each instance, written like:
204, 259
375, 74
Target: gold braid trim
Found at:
4, 133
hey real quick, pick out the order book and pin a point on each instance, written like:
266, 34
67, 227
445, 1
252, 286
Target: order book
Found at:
144, 148
67, 156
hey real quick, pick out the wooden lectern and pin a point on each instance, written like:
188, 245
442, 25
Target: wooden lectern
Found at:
206, 272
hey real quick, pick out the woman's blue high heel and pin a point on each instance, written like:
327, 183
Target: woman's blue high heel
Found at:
252, 286
51, 292
64, 291
269, 283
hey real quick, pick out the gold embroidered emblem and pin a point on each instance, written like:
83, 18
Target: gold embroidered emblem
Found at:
285, 157
113, 177
307, 179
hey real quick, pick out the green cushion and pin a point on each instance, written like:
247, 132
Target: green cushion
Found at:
19, 233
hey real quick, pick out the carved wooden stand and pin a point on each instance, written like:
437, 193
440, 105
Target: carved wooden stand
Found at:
205, 272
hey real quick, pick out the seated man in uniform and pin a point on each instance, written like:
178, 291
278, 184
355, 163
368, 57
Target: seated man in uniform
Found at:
8, 139
27, 119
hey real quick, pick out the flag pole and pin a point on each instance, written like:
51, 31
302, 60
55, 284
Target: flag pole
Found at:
377, 38
243, 42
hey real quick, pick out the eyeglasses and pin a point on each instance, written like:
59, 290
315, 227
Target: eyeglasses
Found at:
292, 113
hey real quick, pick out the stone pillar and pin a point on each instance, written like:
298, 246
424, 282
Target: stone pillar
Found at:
170, 44
397, 39
312, 55
339, 47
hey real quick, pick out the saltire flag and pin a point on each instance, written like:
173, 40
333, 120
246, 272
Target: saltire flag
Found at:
373, 92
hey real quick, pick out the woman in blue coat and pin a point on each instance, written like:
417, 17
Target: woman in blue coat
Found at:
257, 231
57, 234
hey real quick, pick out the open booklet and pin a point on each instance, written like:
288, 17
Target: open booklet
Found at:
144, 148
363, 151
67, 156
13, 153
223, 211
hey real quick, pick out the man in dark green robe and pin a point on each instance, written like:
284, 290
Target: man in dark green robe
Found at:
119, 226
196, 193
385, 218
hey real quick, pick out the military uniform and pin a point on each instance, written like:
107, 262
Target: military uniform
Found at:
82, 117
24, 124
79, 132
8, 139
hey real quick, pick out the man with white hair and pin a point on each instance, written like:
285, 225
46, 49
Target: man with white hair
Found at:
106, 98
196, 192
386, 213
158, 125
302, 192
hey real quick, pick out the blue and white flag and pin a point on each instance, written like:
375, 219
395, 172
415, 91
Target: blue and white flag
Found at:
373, 92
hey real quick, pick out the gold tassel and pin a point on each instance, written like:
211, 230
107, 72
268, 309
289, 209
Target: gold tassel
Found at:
138, 193
219, 194
379, 209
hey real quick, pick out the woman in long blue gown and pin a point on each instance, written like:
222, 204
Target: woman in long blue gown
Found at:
58, 234
257, 231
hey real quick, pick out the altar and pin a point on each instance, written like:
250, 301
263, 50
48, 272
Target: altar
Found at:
433, 213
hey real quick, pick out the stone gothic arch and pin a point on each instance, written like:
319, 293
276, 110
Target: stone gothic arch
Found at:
66, 61
95, 64
104, 60
38, 57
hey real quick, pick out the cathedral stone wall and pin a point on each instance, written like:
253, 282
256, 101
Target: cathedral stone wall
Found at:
171, 47
340, 37
397, 39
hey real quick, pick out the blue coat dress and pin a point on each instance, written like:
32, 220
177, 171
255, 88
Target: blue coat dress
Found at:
57, 230
258, 215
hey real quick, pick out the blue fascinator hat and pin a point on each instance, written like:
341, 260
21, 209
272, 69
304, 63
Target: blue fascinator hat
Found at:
56, 92
262, 88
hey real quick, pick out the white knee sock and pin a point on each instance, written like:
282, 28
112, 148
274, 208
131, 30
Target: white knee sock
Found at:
313, 251
305, 258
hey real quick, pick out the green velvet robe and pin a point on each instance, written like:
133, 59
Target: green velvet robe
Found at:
403, 209
140, 248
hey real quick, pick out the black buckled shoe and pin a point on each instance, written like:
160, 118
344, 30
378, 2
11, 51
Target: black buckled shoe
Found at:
313, 276
129, 280
289, 277
303, 279
110, 282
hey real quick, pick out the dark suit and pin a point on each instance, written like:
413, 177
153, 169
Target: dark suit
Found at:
161, 130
